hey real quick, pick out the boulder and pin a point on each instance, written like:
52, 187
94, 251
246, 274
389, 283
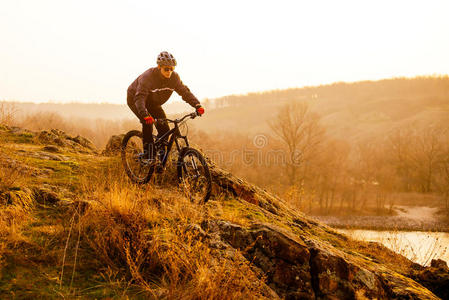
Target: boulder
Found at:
51, 148
435, 277
114, 145
83, 142
60, 138
45, 196
18, 131
305, 267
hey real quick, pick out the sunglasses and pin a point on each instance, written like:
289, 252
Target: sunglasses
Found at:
168, 69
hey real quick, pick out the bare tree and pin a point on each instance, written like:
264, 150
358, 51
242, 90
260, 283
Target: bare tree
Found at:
426, 155
416, 154
442, 180
330, 173
299, 130
400, 144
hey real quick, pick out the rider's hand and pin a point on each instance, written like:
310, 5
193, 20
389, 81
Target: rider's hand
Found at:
149, 120
200, 110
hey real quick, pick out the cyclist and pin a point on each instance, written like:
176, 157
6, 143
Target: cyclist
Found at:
152, 89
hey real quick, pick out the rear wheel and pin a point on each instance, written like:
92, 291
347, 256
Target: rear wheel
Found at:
139, 170
194, 175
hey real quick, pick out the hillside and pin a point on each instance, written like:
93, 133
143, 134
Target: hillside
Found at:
349, 111
72, 225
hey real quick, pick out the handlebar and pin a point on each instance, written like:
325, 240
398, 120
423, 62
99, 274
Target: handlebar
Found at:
179, 120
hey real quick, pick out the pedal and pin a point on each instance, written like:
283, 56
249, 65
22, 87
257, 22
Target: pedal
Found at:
149, 162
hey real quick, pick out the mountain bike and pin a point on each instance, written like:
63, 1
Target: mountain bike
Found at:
192, 170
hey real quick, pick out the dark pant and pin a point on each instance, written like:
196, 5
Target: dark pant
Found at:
147, 130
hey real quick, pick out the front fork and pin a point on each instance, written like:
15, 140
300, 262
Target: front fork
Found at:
192, 161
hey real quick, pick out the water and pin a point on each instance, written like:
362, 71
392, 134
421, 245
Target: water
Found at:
420, 247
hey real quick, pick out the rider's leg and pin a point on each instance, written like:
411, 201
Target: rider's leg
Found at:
147, 133
162, 127
147, 130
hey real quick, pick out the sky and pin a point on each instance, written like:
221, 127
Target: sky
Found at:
90, 51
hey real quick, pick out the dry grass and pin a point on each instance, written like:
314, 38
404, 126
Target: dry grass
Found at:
117, 240
10, 174
146, 239
15, 202
15, 215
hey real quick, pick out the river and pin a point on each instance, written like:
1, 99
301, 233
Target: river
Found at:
420, 247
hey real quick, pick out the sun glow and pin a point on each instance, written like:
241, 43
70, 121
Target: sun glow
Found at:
91, 51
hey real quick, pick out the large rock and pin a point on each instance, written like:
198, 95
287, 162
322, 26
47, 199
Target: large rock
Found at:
435, 277
61, 139
283, 259
305, 267
114, 145
228, 183
44, 195
83, 142
304, 259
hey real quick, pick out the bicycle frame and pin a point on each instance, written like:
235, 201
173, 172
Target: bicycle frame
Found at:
174, 135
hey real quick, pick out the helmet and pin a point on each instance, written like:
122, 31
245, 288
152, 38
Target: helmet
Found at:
166, 59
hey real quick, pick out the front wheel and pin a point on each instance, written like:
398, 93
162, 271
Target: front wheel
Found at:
138, 169
194, 175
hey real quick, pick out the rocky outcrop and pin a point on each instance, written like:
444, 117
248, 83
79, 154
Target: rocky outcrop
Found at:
19, 130
435, 277
114, 145
51, 139
226, 182
60, 138
12, 167
301, 258
304, 267
52, 149
44, 155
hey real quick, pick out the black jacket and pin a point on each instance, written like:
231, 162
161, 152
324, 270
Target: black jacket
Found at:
151, 88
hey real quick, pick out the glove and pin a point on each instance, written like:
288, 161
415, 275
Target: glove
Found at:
149, 120
200, 110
